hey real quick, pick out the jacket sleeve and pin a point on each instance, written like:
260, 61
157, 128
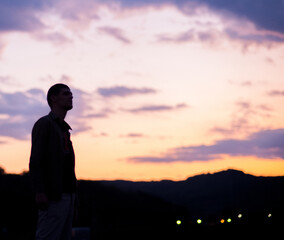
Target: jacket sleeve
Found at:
40, 135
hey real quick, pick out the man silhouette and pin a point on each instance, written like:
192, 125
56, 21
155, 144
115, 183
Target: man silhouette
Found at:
52, 164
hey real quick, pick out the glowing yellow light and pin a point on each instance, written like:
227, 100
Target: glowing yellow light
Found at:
178, 222
240, 216
222, 221
199, 221
229, 220
269, 215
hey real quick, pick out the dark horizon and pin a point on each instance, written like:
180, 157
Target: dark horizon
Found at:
3, 171
124, 208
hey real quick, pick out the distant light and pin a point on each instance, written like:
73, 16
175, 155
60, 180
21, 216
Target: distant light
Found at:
199, 221
178, 222
222, 221
240, 215
229, 220
269, 215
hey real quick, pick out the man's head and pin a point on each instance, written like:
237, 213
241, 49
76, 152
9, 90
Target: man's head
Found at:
60, 96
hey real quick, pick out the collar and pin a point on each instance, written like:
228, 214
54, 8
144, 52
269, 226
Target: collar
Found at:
57, 119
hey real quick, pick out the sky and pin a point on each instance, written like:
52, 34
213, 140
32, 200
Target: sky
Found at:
162, 89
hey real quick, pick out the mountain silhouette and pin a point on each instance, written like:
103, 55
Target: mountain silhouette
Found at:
248, 205
213, 193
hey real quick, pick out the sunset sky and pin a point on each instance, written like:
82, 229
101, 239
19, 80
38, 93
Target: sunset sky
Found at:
163, 89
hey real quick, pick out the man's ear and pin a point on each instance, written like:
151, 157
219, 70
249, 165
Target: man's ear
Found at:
53, 98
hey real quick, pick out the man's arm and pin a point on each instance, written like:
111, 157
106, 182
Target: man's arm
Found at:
41, 201
40, 135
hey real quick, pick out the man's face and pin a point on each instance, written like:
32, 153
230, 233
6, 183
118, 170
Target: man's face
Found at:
64, 99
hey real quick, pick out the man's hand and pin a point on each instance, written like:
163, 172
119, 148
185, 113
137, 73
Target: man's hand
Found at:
41, 201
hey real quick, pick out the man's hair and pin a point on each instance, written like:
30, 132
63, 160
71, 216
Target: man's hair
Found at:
54, 91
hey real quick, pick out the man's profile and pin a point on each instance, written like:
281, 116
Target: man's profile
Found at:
52, 164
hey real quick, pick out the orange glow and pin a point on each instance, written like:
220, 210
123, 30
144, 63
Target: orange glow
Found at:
206, 86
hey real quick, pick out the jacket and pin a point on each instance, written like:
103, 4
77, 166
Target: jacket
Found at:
47, 156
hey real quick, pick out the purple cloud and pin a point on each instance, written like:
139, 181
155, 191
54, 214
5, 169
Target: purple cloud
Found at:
6, 79
256, 38
123, 91
276, 93
191, 35
117, 33
25, 15
20, 15
212, 36
268, 144
55, 38
264, 14
156, 108
21, 103
245, 119
20, 110
133, 135
103, 113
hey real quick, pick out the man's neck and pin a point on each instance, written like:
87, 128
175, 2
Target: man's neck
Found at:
61, 113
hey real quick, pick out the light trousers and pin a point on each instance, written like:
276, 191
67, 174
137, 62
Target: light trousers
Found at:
55, 223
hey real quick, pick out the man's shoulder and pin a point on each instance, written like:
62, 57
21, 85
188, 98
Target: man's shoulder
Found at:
45, 118
43, 121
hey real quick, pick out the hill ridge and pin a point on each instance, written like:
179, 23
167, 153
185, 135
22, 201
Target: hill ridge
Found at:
211, 193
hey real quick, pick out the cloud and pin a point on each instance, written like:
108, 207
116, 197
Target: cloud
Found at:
116, 33
32, 16
56, 38
133, 135
232, 33
101, 134
192, 35
123, 91
103, 113
230, 24
245, 119
264, 14
241, 84
156, 108
29, 16
274, 93
21, 103
20, 110
7, 80
267, 144
256, 38
23, 14
81, 107
20, 15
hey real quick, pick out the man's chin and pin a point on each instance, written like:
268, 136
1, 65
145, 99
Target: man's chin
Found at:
67, 108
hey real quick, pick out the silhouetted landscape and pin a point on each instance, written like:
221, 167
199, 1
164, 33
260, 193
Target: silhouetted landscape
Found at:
225, 204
